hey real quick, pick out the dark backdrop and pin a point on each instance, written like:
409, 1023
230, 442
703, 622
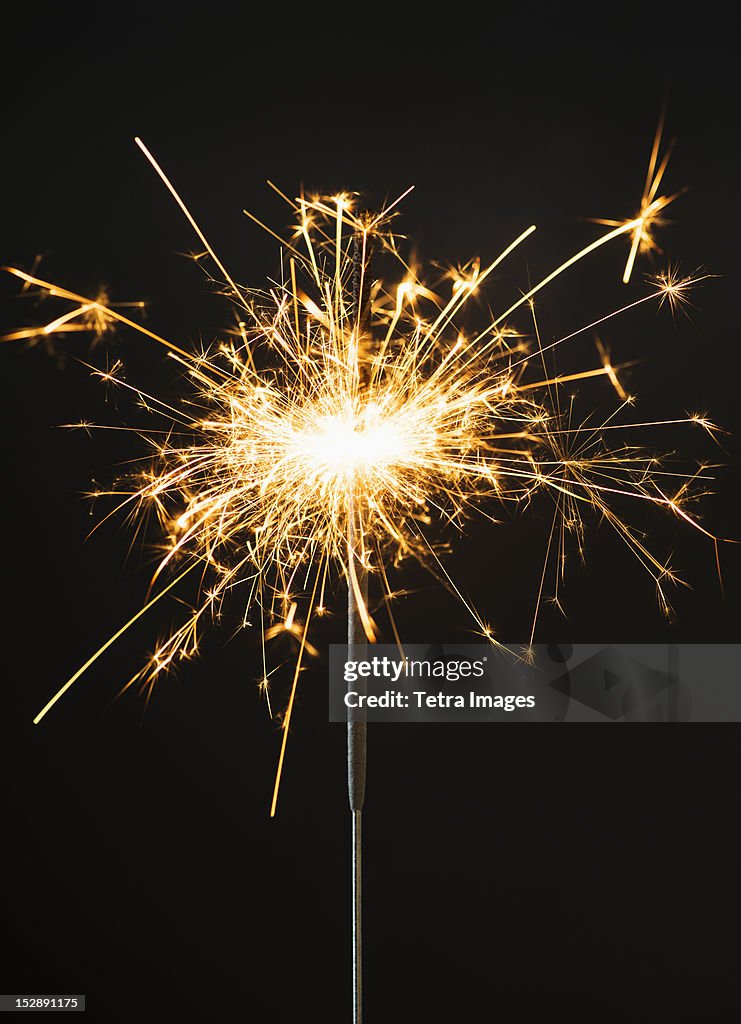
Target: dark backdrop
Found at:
512, 872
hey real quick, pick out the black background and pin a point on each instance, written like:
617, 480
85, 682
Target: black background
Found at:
510, 873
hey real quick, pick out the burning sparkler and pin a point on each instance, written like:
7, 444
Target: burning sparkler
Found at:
326, 444
348, 417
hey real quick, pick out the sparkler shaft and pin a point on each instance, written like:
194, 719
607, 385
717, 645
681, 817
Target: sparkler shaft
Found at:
356, 765
357, 648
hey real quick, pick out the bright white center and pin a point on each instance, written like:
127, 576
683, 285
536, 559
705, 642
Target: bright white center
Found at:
346, 444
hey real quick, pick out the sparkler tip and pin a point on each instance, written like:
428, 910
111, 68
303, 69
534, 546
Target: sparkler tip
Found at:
316, 431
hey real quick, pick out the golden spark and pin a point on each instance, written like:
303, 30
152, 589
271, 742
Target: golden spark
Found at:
315, 439
96, 317
642, 231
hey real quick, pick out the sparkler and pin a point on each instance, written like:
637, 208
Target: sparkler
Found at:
357, 729
330, 436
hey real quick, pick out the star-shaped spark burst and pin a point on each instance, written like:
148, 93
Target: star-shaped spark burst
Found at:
97, 318
643, 226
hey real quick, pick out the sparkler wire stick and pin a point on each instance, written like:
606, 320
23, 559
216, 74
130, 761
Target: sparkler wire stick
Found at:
357, 752
357, 646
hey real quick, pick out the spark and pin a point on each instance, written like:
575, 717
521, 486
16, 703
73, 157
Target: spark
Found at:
311, 441
649, 216
676, 289
96, 317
